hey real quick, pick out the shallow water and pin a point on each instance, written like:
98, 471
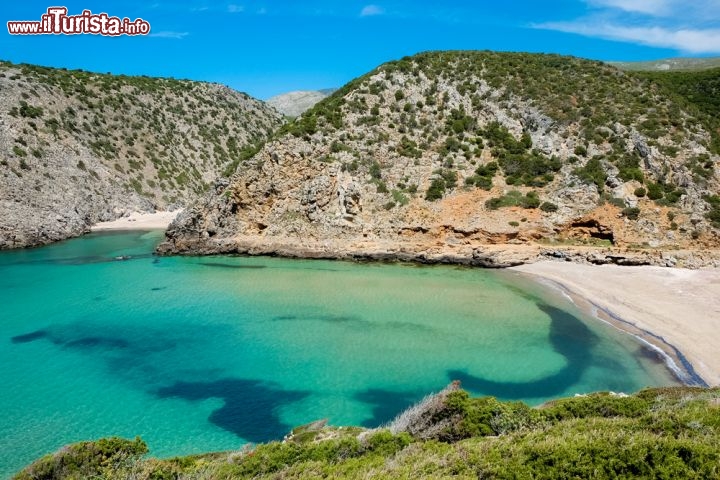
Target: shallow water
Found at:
201, 354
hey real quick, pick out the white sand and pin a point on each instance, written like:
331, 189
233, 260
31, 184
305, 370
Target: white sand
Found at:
681, 306
139, 221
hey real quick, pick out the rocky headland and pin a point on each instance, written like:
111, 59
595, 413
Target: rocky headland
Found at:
478, 158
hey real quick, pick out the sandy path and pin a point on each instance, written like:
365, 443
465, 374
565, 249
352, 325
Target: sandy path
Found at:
681, 306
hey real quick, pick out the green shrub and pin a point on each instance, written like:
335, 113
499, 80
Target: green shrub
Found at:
85, 460
514, 199
408, 148
595, 405
387, 444
631, 212
548, 207
375, 171
19, 151
483, 176
629, 168
449, 176
714, 214
640, 192
459, 122
593, 172
29, 111
655, 191
400, 198
436, 190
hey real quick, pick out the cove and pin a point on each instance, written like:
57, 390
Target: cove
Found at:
98, 337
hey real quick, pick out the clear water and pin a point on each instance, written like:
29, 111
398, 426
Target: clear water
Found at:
201, 354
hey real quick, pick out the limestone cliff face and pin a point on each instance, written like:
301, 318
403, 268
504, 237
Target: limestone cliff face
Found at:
77, 148
443, 154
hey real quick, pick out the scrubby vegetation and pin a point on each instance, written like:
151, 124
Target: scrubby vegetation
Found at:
714, 214
546, 122
671, 433
163, 138
516, 199
700, 89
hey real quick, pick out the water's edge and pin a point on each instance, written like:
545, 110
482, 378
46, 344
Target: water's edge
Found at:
676, 362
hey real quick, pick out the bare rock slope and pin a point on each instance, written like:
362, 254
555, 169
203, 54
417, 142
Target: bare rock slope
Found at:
445, 156
294, 104
77, 148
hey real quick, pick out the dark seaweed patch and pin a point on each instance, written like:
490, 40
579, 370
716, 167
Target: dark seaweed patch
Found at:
29, 337
386, 404
97, 342
569, 337
250, 409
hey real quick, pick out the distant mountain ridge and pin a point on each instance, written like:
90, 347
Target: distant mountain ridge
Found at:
296, 103
670, 64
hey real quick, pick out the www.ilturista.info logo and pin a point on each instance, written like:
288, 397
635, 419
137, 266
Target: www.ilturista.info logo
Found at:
57, 22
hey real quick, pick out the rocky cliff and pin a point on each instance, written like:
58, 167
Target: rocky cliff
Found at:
439, 156
77, 148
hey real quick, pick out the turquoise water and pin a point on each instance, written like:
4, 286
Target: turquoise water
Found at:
200, 354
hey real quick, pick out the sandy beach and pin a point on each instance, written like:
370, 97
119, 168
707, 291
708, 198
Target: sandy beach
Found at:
678, 307
138, 221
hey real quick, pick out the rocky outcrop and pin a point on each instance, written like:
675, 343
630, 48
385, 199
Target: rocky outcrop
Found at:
77, 148
444, 156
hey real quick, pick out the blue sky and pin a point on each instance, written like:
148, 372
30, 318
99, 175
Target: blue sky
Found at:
271, 46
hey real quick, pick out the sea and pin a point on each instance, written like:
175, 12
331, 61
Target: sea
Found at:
99, 337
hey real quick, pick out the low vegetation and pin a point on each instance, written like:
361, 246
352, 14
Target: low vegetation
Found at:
671, 433
163, 138
551, 123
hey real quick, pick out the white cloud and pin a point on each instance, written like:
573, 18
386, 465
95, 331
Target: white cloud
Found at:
370, 10
235, 8
686, 26
169, 34
685, 40
649, 7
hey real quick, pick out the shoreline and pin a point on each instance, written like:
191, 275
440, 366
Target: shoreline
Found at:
159, 220
674, 311
437, 251
673, 358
